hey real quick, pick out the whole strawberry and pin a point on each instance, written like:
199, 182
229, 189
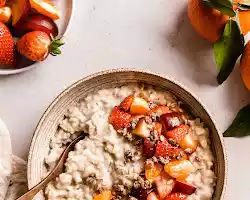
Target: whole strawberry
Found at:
7, 46
37, 45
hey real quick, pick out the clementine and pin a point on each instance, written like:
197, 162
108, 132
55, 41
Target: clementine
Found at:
208, 22
245, 66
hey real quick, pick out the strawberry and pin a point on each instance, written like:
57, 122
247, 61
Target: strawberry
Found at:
177, 196
37, 45
164, 148
7, 46
2, 3
126, 103
164, 185
178, 133
119, 119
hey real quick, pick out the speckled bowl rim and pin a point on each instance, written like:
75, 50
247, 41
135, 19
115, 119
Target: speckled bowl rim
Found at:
110, 71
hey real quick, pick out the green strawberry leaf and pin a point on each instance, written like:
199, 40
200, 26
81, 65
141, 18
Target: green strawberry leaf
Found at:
244, 6
240, 127
228, 49
225, 6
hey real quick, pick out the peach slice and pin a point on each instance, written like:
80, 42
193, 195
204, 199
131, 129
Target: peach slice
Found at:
20, 10
179, 169
142, 129
5, 14
139, 106
164, 185
45, 7
105, 195
153, 172
188, 143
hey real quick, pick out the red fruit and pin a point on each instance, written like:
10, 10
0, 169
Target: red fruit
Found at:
152, 196
184, 187
37, 22
164, 185
177, 196
20, 10
37, 45
2, 3
119, 119
164, 148
126, 103
7, 47
178, 133
148, 147
157, 128
170, 121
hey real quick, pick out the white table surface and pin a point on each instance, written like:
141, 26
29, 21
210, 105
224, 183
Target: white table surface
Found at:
149, 34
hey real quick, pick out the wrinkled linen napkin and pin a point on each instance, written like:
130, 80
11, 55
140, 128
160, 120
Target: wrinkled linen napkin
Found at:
18, 179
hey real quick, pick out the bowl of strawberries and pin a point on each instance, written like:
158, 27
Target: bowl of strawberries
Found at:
30, 31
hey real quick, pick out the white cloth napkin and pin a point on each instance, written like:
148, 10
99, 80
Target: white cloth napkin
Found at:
18, 179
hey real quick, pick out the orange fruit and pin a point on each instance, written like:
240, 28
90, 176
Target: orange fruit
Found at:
208, 22
105, 195
245, 66
5, 14
244, 18
45, 7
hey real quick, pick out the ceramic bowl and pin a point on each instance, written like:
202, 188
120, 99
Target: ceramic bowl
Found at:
112, 78
66, 8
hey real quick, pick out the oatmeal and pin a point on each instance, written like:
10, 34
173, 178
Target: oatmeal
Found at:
139, 144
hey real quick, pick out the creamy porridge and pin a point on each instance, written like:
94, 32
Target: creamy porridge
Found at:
140, 144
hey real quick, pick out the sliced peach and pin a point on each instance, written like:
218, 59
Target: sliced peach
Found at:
159, 110
153, 172
179, 169
105, 195
46, 8
5, 14
139, 106
164, 185
188, 143
20, 10
142, 129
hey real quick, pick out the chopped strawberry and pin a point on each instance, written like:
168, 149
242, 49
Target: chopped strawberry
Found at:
126, 103
178, 133
157, 128
119, 119
177, 196
164, 148
164, 185
152, 196
170, 121
159, 110
148, 147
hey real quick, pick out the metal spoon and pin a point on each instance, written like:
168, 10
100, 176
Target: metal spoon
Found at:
54, 173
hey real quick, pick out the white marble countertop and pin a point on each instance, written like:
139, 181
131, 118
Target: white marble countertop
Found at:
149, 34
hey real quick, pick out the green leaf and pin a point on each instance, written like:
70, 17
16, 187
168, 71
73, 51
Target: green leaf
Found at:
244, 6
241, 124
225, 6
227, 50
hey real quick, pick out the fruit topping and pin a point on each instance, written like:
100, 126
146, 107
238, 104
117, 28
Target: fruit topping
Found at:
105, 195
45, 7
170, 121
157, 128
7, 48
126, 103
184, 188
179, 169
20, 10
188, 143
119, 119
2, 3
5, 14
159, 110
177, 196
148, 147
164, 185
142, 129
154, 171
139, 106
178, 133
140, 193
36, 22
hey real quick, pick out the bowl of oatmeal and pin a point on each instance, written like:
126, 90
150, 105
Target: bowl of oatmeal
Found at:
146, 137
